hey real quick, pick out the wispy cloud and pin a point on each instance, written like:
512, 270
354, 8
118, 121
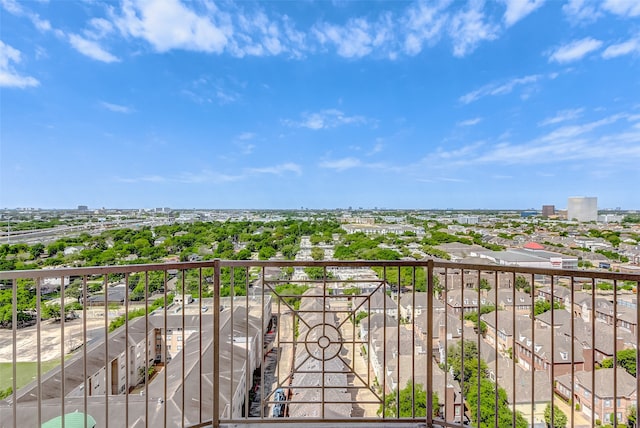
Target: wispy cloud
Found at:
206, 89
626, 8
207, 176
582, 10
117, 108
358, 37
377, 147
470, 27
574, 50
562, 116
143, 179
424, 24
341, 164
470, 122
216, 177
240, 30
9, 77
243, 142
325, 119
492, 89
344, 164
518, 9
277, 169
572, 143
91, 49
630, 47
588, 11
228, 28
18, 9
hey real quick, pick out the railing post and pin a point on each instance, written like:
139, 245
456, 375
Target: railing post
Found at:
429, 325
215, 420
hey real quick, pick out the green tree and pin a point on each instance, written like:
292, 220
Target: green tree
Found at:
289, 292
411, 403
522, 284
317, 273
317, 253
542, 306
484, 284
626, 359
632, 415
474, 369
559, 418
266, 253
36, 250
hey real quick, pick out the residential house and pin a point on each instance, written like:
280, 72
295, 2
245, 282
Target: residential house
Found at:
602, 395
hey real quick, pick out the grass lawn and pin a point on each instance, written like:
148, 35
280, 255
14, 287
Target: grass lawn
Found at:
26, 372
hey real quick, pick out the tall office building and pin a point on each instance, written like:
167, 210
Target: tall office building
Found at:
582, 208
548, 210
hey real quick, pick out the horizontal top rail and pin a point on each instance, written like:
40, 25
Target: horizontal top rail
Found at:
115, 269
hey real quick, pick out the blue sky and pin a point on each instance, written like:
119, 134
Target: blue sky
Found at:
438, 104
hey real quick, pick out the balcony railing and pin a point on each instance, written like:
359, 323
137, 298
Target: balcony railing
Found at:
326, 343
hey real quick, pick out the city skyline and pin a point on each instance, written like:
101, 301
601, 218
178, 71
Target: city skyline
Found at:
410, 105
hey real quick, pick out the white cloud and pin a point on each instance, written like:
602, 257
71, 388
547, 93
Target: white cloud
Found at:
242, 141
116, 108
207, 176
575, 143
91, 49
358, 37
377, 148
169, 24
470, 122
9, 77
582, 10
468, 28
326, 119
562, 116
493, 89
17, 9
627, 8
143, 179
631, 46
341, 164
351, 162
277, 169
575, 50
424, 23
518, 9
99, 28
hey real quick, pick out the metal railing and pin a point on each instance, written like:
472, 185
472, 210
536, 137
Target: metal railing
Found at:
414, 343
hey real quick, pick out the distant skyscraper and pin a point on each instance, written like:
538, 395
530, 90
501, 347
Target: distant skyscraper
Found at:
548, 210
82, 208
582, 208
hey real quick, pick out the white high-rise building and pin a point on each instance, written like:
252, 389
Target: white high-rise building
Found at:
582, 208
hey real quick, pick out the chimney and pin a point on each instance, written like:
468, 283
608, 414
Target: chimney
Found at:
442, 333
451, 404
587, 355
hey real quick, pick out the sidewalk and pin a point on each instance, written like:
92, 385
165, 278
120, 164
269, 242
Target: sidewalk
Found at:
359, 366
